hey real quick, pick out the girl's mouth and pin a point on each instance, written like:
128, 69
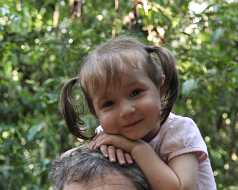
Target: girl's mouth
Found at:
133, 123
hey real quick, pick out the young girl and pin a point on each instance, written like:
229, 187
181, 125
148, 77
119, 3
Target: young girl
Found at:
131, 89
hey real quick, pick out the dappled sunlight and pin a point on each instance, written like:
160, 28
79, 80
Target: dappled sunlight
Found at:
43, 43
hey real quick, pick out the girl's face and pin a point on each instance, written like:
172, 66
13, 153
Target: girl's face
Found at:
130, 108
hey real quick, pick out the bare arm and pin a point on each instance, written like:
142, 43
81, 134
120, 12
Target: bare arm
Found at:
180, 174
159, 175
186, 168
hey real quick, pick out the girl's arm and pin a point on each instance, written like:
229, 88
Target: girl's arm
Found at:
186, 167
180, 174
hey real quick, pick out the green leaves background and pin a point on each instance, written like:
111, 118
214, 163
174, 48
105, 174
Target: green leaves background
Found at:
42, 44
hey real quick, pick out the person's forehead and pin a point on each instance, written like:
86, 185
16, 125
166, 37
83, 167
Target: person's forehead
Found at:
126, 80
109, 182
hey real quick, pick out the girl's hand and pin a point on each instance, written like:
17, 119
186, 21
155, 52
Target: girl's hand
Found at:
116, 154
114, 147
114, 140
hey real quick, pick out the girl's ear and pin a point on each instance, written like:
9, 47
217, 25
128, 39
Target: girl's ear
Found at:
162, 83
162, 80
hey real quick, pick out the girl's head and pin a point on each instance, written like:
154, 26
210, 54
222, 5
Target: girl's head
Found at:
110, 67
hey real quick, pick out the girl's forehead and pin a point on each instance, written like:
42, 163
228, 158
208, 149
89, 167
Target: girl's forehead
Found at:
104, 71
125, 80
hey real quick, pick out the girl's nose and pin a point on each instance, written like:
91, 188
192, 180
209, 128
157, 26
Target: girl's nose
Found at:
127, 109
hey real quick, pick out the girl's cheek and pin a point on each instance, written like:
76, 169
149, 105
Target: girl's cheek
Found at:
105, 122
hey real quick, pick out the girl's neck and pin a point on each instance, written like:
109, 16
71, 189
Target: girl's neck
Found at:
151, 134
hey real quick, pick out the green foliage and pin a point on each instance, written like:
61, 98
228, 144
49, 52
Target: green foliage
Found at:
42, 44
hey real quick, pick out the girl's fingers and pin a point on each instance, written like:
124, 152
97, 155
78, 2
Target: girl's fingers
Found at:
103, 139
128, 158
111, 153
104, 150
95, 137
120, 156
90, 145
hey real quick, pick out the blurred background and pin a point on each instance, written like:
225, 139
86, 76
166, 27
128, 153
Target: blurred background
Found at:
43, 42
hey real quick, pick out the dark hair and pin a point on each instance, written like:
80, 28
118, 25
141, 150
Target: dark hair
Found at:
83, 166
103, 67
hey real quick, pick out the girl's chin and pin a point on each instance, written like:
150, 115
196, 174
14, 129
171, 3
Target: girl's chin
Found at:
134, 137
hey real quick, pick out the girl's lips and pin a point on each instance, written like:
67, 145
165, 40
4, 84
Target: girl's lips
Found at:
133, 123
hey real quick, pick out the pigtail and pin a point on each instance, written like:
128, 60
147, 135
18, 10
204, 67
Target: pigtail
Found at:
170, 86
69, 110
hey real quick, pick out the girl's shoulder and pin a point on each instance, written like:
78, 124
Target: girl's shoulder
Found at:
181, 135
175, 120
179, 128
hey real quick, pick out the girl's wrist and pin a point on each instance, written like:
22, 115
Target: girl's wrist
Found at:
139, 149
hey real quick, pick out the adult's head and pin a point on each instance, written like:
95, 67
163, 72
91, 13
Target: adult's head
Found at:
84, 169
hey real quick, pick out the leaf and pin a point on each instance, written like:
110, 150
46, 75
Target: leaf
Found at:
217, 35
188, 86
34, 130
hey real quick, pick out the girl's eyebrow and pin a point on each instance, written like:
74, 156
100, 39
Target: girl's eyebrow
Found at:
101, 97
133, 83
108, 95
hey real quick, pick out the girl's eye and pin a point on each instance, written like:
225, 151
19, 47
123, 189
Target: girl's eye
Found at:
135, 92
107, 104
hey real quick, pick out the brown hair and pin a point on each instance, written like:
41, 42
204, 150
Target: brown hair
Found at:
103, 67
